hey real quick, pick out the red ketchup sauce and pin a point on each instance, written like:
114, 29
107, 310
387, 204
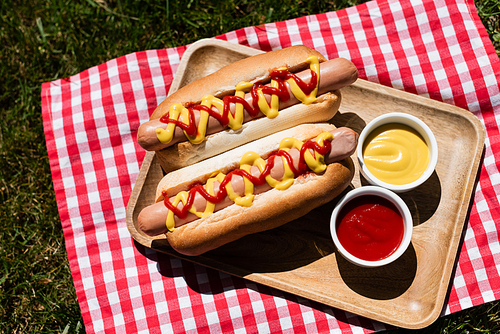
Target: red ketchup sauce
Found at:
260, 180
370, 227
253, 109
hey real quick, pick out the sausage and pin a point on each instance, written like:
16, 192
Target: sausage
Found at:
334, 74
152, 220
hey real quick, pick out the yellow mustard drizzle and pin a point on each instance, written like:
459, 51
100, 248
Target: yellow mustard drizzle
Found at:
247, 199
178, 112
314, 161
396, 154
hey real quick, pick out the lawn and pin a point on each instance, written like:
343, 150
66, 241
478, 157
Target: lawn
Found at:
46, 40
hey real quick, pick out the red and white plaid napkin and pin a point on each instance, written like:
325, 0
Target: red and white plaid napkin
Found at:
438, 49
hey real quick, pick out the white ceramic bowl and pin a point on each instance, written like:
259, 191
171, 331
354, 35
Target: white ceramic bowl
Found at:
412, 122
398, 203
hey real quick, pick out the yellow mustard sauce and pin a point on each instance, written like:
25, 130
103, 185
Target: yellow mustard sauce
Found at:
179, 113
314, 161
396, 154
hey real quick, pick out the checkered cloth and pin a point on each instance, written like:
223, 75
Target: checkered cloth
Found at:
438, 49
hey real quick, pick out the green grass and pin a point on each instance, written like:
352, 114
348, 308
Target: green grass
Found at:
45, 40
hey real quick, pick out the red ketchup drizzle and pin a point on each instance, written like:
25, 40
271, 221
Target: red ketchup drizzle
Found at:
256, 180
253, 109
370, 228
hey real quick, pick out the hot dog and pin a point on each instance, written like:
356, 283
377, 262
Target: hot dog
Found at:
258, 207
203, 138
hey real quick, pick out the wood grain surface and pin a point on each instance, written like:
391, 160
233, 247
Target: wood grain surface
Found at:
300, 257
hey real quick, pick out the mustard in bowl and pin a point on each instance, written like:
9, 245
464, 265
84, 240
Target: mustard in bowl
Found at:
397, 151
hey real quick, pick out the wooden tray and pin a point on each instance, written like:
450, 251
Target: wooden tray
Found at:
300, 257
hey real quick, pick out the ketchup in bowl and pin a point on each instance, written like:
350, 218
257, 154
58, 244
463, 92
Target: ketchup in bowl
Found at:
370, 227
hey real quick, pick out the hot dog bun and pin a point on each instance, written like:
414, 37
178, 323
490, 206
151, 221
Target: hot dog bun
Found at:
223, 82
252, 69
185, 154
269, 209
